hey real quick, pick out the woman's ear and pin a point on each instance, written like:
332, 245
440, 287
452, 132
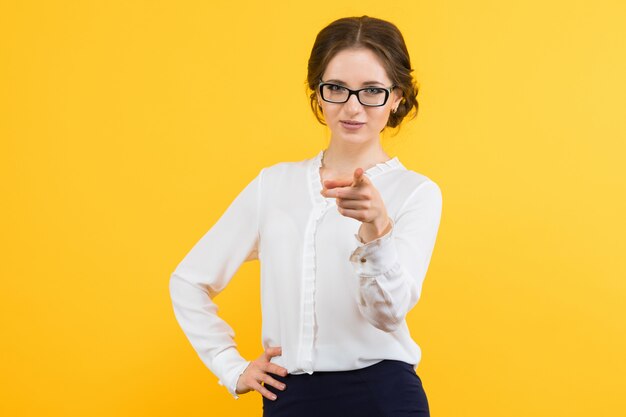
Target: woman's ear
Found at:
397, 97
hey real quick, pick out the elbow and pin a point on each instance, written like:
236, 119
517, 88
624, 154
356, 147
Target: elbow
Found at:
174, 287
179, 287
387, 310
382, 317
385, 317
174, 282
388, 325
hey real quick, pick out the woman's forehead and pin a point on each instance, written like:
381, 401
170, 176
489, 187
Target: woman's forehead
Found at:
356, 67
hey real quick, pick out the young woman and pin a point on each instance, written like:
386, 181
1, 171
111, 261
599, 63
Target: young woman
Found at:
344, 239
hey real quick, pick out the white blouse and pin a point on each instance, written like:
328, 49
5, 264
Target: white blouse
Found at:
330, 301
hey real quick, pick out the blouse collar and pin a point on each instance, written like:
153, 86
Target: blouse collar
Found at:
371, 172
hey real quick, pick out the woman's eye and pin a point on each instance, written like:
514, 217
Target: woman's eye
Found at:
335, 88
373, 91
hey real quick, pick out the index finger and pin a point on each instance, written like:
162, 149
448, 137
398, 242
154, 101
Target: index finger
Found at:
275, 369
357, 179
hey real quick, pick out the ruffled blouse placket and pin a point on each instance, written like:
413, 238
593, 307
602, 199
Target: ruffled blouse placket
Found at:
320, 205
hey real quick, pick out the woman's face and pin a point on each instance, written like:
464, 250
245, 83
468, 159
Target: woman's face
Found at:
354, 69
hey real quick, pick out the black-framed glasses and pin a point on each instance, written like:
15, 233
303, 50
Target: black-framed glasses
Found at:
368, 96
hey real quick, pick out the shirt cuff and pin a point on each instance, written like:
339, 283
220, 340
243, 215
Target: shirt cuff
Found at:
376, 257
230, 365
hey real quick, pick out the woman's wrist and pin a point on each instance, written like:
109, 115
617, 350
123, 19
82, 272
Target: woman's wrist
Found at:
374, 230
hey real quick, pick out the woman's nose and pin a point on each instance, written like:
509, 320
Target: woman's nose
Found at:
353, 103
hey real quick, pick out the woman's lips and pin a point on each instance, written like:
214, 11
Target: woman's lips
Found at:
351, 125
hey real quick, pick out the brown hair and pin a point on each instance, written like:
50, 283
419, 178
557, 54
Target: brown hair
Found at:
380, 36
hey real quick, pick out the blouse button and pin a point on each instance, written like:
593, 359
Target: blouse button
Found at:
362, 259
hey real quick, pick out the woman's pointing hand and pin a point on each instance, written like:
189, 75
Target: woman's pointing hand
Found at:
359, 199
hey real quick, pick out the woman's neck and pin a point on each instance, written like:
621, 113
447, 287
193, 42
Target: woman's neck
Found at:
342, 161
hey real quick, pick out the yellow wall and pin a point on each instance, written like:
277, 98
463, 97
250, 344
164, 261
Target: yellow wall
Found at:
127, 128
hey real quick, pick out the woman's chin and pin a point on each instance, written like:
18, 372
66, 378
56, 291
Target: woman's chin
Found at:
353, 137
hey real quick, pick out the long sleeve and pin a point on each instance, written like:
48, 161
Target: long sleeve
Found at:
392, 268
205, 271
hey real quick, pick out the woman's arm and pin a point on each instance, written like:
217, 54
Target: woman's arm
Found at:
205, 271
391, 269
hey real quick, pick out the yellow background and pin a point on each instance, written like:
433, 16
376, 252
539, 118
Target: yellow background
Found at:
127, 128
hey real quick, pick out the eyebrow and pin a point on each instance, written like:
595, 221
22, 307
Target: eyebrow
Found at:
365, 83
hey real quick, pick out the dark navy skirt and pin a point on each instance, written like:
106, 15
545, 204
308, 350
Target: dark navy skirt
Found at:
388, 388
